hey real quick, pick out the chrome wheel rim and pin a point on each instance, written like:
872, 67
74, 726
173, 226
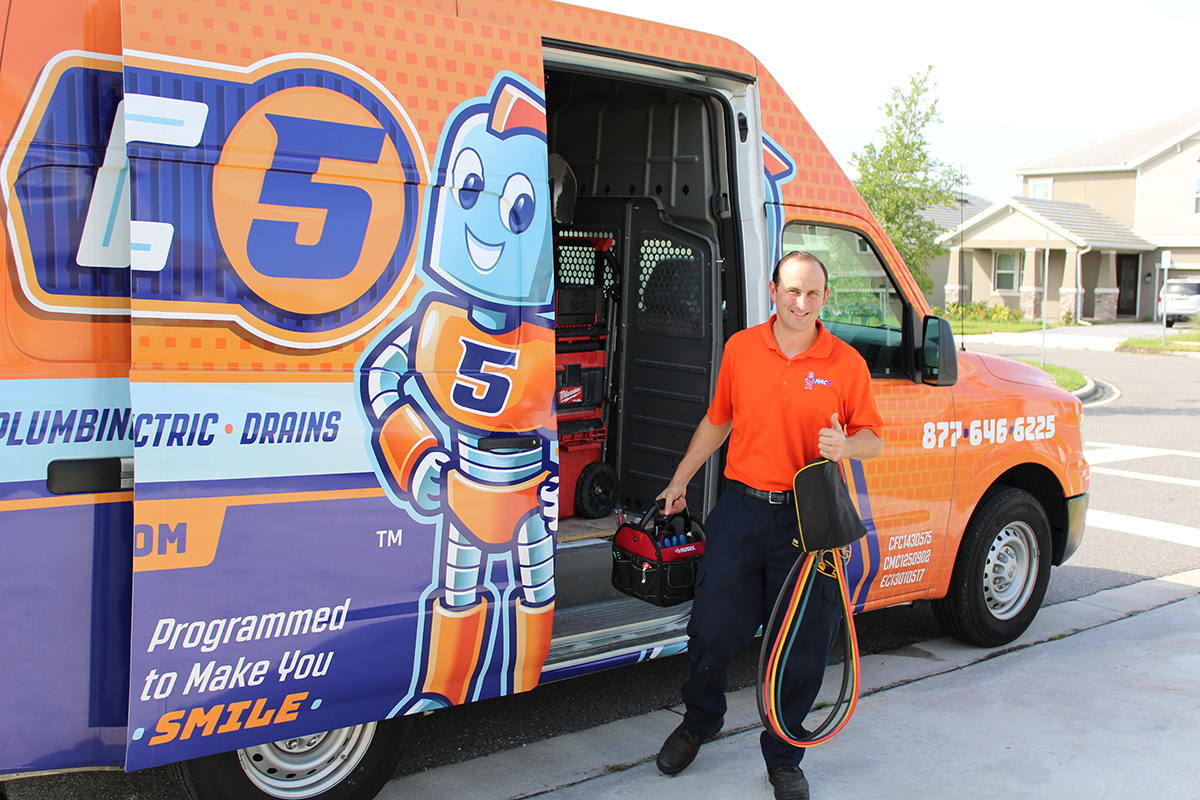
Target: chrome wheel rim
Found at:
1010, 572
306, 766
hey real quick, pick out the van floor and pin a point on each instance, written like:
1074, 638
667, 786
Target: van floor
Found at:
578, 529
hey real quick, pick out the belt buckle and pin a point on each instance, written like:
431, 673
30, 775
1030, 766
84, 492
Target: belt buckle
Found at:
777, 498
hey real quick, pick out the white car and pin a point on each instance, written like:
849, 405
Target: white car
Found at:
1181, 297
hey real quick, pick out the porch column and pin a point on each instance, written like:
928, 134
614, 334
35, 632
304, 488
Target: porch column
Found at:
1031, 285
1070, 296
958, 292
1106, 287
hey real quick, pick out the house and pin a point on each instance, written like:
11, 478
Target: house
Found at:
1093, 230
948, 218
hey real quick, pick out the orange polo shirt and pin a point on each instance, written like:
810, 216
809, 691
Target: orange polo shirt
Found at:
779, 405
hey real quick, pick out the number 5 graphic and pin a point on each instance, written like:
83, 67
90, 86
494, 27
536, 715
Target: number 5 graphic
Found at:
271, 245
479, 391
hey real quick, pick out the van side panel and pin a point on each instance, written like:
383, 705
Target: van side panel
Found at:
64, 362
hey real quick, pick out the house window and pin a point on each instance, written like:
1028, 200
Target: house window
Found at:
1006, 272
1041, 189
1196, 197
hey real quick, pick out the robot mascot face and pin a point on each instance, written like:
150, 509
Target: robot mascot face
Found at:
489, 236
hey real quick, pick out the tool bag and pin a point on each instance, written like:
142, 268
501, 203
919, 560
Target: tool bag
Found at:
656, 560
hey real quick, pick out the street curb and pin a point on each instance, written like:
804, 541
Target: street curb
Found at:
1089, 390
575, 758
1147, 351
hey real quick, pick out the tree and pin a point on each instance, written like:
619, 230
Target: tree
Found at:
900, 178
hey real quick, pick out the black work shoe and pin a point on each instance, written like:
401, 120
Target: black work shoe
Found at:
681, 747
789, 782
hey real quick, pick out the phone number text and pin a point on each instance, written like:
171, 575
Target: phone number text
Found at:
993, 431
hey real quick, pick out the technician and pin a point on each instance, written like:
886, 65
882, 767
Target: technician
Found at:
788, 391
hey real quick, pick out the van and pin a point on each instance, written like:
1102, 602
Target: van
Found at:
336, 335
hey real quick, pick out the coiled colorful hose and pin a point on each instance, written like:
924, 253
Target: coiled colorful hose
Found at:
775, 653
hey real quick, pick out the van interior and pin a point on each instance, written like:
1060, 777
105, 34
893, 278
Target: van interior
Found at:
640, 289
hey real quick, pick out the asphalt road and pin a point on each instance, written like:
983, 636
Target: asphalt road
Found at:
1154, 404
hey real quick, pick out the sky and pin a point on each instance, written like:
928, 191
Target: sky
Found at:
1017, 81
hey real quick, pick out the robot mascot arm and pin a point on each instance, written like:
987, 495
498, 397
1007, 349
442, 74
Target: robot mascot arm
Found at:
404, 441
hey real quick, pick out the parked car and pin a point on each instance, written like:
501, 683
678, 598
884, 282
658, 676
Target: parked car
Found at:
1181, 297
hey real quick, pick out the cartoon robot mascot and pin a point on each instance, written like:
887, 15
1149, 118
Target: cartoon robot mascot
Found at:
459, 397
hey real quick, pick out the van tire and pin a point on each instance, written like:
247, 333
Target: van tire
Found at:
596, 490
346, 764
1001, 571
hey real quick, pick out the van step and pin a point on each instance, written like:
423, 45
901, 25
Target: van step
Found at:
612, 626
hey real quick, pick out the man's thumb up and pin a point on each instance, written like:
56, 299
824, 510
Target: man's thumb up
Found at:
832, 440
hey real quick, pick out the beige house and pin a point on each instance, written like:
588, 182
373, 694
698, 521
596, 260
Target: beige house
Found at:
1106, 214
948, 218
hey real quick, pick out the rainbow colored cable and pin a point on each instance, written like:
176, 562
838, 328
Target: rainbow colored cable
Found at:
780, 648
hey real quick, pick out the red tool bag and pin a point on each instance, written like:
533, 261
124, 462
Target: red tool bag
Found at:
657, 559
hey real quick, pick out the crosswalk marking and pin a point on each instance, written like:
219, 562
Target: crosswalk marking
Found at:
1126, 452
1105, 453
1145, 476
1163, 531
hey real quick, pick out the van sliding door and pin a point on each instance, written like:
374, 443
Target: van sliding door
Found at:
342, 369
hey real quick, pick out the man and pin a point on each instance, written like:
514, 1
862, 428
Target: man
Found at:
788, 392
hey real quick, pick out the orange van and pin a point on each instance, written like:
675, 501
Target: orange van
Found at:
337, 333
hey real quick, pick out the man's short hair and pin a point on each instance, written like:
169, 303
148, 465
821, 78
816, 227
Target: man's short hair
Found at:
799, 255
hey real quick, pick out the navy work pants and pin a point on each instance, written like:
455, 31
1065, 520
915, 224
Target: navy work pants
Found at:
750, 549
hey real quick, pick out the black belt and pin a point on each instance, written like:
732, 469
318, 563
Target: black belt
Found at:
774, 498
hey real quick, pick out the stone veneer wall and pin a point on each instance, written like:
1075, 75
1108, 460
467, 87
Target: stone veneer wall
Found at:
1106, 304
1031, 304
1066, 303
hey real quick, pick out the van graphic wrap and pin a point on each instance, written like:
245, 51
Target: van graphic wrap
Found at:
59, 159
778, 169
468, 368
307, 187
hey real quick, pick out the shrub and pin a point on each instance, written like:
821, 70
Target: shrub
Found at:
983, 311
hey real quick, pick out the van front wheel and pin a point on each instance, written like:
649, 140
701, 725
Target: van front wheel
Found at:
345, 764
1001, 572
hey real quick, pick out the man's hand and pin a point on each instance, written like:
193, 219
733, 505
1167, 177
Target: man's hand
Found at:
675, 497
832, 441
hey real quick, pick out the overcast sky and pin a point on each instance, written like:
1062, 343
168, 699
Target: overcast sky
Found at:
1025, 80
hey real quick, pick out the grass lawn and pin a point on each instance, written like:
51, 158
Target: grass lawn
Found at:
1175, 341
969, 327
1065, 377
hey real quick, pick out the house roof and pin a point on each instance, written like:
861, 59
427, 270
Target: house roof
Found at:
1078, 223
948, 217
1125, 151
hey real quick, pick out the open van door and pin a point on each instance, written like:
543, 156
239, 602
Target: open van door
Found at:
342, 371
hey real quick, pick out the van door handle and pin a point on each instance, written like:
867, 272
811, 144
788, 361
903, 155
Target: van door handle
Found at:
510, 443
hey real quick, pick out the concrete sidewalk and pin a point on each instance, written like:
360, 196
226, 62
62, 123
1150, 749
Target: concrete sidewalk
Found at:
1099, 698
1106, 337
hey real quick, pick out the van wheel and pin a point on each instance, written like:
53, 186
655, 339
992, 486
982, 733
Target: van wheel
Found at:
1001, 572
346, 764
596, 490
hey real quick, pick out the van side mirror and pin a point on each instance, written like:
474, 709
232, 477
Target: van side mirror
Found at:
939, 361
